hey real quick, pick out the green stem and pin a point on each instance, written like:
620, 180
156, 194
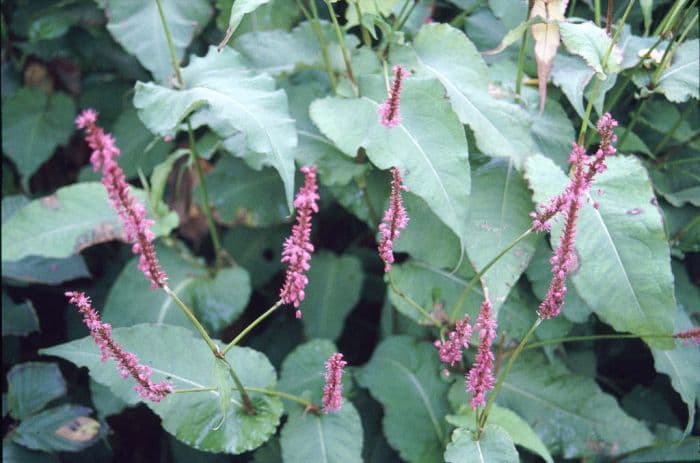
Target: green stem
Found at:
271, 392
171, 46
475, 279
671, 50
366, 39
343, 47
194, 158
250, 327
667, 23
247, 403
502, 377
394, 28
361, 182
190, 315
413, 4
664, 141
633, 122
412, 303
316, 27
596, 12
594, 337
521, 64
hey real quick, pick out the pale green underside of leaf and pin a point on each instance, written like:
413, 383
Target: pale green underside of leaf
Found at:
237, 101
429, 146
519, 431
137, 26
501, 128
499, 214
681, 80
324, 438
494, 446
624, 271
403, 376
334, 288
177, 355
569, 412
72, 219
591, 43
240, 8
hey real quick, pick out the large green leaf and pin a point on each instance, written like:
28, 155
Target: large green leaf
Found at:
432, 288
137, 26
18, 319
239, 9
216, 301
32, 385
323, 438
65, 428
72, 219
404, 376
499, 214
429, 146
680, 81
494, 446
673, 452
258, 250
678, 178
569, 412
182, 358
501, 128
35, 125
238, 100
591, 43
682, 365
624, 271
572, 75
519, 431
333, 290
15, 453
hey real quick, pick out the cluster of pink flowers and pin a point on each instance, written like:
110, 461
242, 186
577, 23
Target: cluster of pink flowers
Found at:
333, 390
132, 213
569, 203
395, 219
127, 363
389, 114
297, 248
480, 378
450, 350
690, 336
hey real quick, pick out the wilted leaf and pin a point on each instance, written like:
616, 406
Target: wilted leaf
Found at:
547, 39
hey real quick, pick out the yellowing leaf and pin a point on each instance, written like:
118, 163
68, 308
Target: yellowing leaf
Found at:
547, 39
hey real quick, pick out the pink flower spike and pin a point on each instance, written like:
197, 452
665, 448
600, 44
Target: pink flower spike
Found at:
450, 351
132, 214
395, 219
333, 390
127, 363
389, 114
689, 336
297, 248
480, 378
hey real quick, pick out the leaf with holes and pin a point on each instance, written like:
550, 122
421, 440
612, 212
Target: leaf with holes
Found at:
181, 357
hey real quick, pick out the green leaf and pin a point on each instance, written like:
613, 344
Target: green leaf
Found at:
18, 319
137, 26
60, 225
572, 75
429, 146
277, 14
302, 370
217, 301
501, 128
432, 288
238, 100
334, 289
324, 438
552, 130
39, 270
242, 195
687, 450
678, 178
494, 446
104, 400
38, 124
14, 453
31, 386
66, 428
624, 271
499, 214
182, 358
258, 250
519, 431
680, 81
681, 366
239, 9
590, 42
569, 412
403, 376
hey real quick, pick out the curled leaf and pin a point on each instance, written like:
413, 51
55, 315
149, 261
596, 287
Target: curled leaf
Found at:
547, 39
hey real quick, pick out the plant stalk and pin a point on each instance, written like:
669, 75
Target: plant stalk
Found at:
252, 325
271, 392
412, 303
594, 337
343, 47
190, 315
313, 18
171, 46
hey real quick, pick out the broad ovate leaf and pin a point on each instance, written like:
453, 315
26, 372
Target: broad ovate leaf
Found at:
547, 39
591, 43
237, 100
75, 217
493, 446
324, 438
183, 358
501, 128
403, 375
137, 26
429, 146
624, 271
32, 385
